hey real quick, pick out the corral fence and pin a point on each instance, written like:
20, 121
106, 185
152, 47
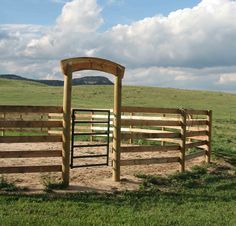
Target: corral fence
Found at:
29, 124
183, 134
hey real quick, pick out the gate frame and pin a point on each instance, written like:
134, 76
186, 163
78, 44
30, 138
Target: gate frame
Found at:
69, 66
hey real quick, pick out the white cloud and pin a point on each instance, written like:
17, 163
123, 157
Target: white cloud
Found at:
193, 47
227, 79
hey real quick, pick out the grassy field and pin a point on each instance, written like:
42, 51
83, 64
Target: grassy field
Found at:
204, 196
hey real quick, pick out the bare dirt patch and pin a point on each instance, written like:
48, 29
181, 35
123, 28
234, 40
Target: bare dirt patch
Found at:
88, 178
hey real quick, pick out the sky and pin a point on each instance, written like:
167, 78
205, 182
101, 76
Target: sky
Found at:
185, 44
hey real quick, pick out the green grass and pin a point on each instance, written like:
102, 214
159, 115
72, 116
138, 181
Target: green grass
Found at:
203, 196
195, 197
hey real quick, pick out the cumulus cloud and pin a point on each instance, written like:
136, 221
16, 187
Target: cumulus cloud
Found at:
227, 78
189, 48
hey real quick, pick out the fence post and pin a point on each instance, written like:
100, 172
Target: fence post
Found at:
163, 129
131, 139
208, 152
91, 126
66, 127
117, 129
183, 140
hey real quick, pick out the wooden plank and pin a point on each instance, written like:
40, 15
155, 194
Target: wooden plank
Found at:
55, 132
149, 148
117, 129
35, 131
183, 141
130, 162
30, 169
176, 141
209, 138
55, 115
149, 135
32, 109
197, 122
195, 155
30, 154
29, 139
134, 122
196, 133
30, 124
196, 144
196, 112
130, 109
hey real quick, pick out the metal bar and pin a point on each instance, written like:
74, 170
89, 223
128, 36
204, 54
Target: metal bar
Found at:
88, 165
106, 144
88, 156
93, 122
87, 134
91, 110
89, 145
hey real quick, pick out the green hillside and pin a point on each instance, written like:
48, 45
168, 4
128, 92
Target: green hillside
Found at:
204, 196
15, 92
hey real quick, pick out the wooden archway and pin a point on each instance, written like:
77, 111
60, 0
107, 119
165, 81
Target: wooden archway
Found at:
69, 66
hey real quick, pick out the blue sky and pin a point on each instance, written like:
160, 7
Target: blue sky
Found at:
45, 12
182, 44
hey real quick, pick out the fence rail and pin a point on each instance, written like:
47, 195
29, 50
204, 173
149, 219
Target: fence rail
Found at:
29, 124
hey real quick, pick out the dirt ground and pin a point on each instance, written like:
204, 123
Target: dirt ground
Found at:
86, 178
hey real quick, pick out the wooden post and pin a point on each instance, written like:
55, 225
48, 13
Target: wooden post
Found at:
208, 154
183, 140
66, 127
131, 139
163, 129
91, 129
117, 129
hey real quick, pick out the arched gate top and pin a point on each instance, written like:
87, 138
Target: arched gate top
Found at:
92, 63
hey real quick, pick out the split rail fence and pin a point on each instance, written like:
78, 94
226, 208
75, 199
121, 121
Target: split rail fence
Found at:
183, 133
28, 124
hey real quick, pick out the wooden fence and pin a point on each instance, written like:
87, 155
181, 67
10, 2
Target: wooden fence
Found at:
174, 130
184, 133
29, 124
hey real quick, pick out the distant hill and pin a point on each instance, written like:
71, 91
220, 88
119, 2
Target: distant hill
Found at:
88, 80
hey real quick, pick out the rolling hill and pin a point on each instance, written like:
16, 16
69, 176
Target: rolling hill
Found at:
88, 80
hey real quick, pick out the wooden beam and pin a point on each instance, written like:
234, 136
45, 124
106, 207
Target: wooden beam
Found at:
117, 129
209, 138
30, 169
195, 155
30, 154
196, 133
183, 140
130, 162
130, 109
134, 122
196, 144
29, 139
30, 124
149, 148
92, 63
31, 109
197, 122
66, 126
149, 135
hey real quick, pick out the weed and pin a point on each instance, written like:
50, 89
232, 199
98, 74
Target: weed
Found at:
7, 186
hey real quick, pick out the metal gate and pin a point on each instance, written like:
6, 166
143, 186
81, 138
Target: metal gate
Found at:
77, 120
